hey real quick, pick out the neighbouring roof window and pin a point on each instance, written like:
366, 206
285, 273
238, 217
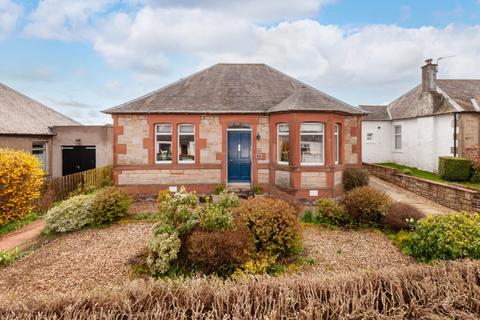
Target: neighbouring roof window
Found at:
283, 143
186, 143
39, 150
311, 143
398, 137
163, 143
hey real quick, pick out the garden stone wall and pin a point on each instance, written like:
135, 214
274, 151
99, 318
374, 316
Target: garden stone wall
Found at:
456, 198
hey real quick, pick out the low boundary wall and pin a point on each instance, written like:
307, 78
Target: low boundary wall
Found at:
450, 196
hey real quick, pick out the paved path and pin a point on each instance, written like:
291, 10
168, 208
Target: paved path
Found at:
22, 237
402, 195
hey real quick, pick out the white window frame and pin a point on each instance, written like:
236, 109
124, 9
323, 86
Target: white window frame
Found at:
45, 151
395, 134
278, 144
178, 142
321, 133
336, 139
162, 141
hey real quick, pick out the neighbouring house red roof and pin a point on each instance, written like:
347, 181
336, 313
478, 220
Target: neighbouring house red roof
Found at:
20, 114
236, 88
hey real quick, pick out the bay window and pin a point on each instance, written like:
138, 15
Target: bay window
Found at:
163, 143
186, 143
312, 143
283, 143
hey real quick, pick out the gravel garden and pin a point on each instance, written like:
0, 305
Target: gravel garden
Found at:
189, 257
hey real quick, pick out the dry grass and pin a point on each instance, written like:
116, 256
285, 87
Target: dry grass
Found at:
76, 262
341, 251
447, 290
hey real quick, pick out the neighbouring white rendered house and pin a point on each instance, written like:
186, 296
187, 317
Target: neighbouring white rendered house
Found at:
436, 118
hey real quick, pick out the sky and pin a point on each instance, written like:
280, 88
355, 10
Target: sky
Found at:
83, 56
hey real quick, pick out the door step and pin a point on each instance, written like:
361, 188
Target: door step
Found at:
243, 190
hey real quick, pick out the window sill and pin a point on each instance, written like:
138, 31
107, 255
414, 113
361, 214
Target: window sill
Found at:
312, 164
397, 151
186, 162
163, 162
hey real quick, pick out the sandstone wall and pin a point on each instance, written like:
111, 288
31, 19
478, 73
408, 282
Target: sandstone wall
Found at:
169, 177
311, 180
135, 130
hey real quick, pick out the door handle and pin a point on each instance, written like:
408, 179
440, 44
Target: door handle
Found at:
239, 147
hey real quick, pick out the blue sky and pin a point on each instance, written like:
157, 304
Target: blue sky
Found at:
83, 56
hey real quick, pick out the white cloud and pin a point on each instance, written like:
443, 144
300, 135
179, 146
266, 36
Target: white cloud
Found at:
64, 19
149, 39
10, 12
320, 54
252, 10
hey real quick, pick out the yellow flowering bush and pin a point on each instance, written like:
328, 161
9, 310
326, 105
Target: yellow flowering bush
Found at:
21, 179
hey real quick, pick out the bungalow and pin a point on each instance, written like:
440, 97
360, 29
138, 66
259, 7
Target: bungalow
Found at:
439, 117
236, 125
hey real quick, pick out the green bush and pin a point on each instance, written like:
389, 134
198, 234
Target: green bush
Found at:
446, 237
179, 211
454, 169
228, 200
367, 206
163, 249
408, 172
353, 178
110, 204
273, 224
213, 217
475, 178
329, 212
71, 214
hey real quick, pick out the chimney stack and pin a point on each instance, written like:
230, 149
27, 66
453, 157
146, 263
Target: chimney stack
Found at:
429, 76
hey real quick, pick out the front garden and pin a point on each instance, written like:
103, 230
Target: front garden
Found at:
192, 257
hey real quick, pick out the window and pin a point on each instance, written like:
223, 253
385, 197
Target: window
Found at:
186, 143
369, 137
283, 143
398, 137
311, 143
163, 143
336, 141
39, 150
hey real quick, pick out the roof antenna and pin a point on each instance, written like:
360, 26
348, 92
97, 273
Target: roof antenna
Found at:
446, 57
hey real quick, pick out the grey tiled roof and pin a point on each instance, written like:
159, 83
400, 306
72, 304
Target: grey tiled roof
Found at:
451, 96
20, 114
375, 112
235, 88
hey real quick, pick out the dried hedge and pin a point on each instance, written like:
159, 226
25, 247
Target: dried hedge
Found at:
443, 291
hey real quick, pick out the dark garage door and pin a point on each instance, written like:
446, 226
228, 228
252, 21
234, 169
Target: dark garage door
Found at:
77, 159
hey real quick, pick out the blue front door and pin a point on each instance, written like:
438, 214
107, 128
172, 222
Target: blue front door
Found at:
239, 156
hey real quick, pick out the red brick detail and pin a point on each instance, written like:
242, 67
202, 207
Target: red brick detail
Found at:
353, 131
354, 148
118, 130
220, 156
121, 148
146, 143
202, 143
